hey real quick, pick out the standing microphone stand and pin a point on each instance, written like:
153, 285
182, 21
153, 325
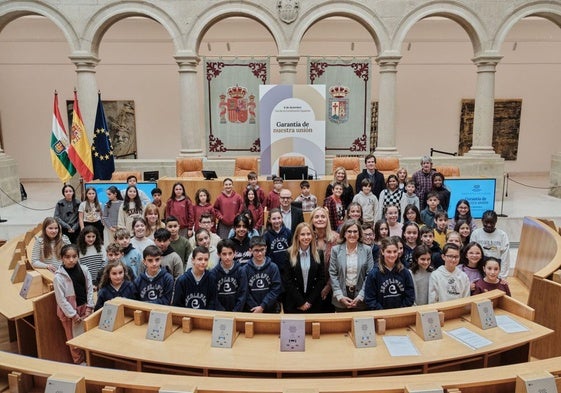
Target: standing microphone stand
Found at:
505, 194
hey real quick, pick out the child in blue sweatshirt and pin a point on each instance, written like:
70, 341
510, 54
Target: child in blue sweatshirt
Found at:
155, 285
230, 279
196, 287
263, 280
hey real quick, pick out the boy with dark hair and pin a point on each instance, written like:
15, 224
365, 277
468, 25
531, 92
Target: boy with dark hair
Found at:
263, 280
367, 200
230, 279
440, 227
252, 182
308, 200
427, 214
157, 200
273, 199
179, 243
155, 285
171, 260
448, 282
206, 221
196, 287
426, 235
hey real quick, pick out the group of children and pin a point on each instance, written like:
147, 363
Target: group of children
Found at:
180, 260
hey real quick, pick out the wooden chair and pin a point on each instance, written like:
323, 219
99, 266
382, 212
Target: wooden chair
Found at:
189, 167
351, 165
122, 175
246, 164
448, 171
387, 165
292, 161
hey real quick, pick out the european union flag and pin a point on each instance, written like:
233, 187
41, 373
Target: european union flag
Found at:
102, 151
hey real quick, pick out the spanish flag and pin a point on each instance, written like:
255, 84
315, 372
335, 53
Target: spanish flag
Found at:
80, 152
59, 147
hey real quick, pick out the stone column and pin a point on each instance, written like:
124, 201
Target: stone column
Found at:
192, 130
86, 86
288, 65
387, 105
482, 143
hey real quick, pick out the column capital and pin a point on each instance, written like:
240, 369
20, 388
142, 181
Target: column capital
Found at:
84, 62
290, 61
388, 63
486, 62
187, 63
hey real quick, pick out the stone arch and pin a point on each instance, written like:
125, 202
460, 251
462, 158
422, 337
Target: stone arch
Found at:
357, 12
12, 10
452, 10
544, 9
105, 17
216, 13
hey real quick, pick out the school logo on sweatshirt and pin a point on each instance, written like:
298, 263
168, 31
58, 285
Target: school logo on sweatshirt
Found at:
259, 282
152, 292
227, 285
195, 300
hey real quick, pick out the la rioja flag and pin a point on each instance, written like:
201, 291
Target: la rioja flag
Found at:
59, 147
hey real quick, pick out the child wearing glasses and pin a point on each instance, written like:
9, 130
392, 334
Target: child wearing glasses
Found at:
448, 282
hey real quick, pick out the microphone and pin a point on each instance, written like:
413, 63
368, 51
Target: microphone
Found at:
315, 173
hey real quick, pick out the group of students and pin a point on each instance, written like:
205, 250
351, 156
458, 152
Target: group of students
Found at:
226, 262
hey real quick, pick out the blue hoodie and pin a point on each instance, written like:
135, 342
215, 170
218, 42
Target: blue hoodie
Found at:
157, 290
264, 285
386, 289
192, 294
231, 287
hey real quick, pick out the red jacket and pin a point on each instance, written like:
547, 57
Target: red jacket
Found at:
227, 207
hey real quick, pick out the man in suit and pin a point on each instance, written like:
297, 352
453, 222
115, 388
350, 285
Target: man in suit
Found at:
291, 215
370, 172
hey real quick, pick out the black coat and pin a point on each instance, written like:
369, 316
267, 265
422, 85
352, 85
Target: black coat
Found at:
293, 283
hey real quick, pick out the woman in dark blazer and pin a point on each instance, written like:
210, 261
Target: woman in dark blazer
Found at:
349, 265
304, 279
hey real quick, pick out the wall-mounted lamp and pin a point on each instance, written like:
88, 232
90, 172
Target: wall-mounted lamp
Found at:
352, 46
208, 46
514, 46
228, 46
409, 46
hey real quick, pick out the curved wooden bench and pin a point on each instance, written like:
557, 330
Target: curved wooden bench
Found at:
539, 257
257, 352
33, 374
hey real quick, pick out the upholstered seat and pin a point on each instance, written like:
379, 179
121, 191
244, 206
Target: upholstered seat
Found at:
292, 161
448, 170
351, 164
122, 175
189, 167
387, 165
246, 164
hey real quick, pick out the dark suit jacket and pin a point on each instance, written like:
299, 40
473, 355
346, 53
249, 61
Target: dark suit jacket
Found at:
377, 187
297, 217
293, 283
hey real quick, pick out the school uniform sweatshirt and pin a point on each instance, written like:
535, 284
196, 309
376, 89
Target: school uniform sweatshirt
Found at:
445, 285
231, 287
109, 292
277, 244
386, 289
157, 290
191, 293
264, 285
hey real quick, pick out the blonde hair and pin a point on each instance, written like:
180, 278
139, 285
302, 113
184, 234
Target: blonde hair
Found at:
330, 235
151, 208
293, 250
345, 181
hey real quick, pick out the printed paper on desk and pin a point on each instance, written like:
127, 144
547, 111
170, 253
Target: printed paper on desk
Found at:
469, 338
400, 346
509, 325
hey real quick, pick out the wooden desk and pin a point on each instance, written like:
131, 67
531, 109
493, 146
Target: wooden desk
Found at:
214, 187
332, 355
34, 374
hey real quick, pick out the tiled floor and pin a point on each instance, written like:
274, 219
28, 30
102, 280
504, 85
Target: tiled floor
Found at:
527, 196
